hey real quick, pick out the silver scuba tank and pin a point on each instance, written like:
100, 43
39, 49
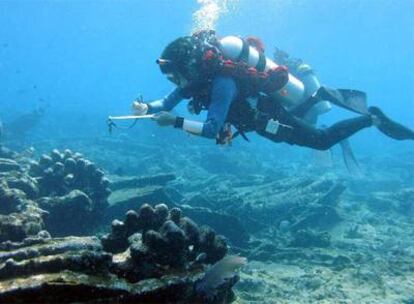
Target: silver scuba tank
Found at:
291, 94
312, 85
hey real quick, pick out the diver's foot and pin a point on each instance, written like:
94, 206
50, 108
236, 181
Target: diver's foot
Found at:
388, 126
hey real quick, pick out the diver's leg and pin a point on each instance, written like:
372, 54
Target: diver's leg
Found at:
311, 116
298, 132
302, 109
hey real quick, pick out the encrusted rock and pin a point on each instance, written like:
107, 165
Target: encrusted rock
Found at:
401, 201
24, 183
309, 238
175, 215
8, 165
70, 181
164, 243
19, 217
68, 214
6, 152
153, 255
215, 246
17, 226
11, 200
78, 269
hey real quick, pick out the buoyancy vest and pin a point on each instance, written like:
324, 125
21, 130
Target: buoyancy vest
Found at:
244, 59
255, 75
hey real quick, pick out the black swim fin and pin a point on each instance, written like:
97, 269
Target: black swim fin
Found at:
355, 100
352, 100
389, 127
349, 158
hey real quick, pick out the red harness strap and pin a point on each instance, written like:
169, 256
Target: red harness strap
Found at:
267, 82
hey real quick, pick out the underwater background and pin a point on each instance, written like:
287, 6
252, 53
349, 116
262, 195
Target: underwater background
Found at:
312, 232
94, 57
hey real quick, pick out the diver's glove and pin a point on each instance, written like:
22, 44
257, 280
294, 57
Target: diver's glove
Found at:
139, 108
164, 119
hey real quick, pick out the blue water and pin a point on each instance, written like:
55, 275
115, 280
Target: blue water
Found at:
89, 59
82, 60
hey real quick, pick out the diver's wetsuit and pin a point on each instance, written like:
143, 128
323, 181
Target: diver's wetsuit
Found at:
299, 132
225, 95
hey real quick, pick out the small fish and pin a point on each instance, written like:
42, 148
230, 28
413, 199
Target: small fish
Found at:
218, 273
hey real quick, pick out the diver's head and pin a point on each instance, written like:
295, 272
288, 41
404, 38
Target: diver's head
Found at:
178, 61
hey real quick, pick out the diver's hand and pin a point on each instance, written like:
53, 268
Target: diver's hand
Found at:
164, 119
139, 108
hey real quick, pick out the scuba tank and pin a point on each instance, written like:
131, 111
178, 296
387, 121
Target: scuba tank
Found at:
233, 54
312, 85
235, 48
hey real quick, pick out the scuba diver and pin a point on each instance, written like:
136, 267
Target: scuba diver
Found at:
233, 80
